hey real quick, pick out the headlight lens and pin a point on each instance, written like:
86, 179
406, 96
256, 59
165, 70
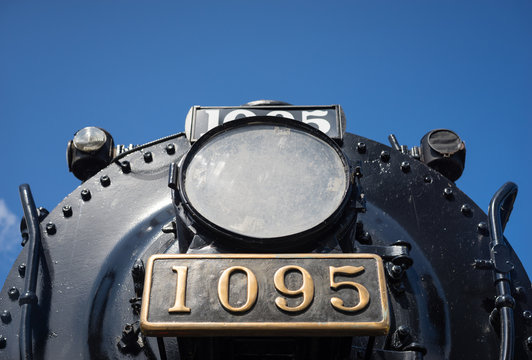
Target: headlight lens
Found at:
265, 179
89, 139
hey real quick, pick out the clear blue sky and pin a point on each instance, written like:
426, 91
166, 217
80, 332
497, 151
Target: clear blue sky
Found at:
136, 67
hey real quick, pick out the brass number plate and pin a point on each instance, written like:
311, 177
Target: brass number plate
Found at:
269, 295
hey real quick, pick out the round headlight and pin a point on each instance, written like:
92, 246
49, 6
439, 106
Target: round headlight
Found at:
264, 178
89, 139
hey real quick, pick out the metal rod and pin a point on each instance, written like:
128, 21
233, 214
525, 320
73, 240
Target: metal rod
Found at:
498, 214
501, 204
369, 348
162, 349
393, 142
28, 297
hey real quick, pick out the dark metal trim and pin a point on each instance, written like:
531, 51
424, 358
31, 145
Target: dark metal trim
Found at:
28, 297
136, 148
498, 213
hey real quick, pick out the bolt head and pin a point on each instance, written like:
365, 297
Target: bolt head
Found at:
3, 342
527, 315
482, 228
148, 157
85, 194
365, 237
427, 179
67, 211
22, 270
138, 269
529, 343
13, 293
5, 316
405, 166
448, 193
128, 329
50, 228
361, 148
466, 210
105, 180
403, 331
125, 166
396, 269
520, 291
385, 156
170, 149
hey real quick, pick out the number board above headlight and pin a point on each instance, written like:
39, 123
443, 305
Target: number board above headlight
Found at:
327, 118
265, 295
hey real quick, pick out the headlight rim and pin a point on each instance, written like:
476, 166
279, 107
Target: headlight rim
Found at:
271, 243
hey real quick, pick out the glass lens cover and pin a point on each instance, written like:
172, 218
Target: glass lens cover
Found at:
89, 139
266, 180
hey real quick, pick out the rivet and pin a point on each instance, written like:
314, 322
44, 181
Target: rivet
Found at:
148, 157
105, 180
128, 329
482, 228
385, 156
5, 316
529, 343
67, 211
396, 270
13, 293
22, 270
405, 166
361, 148
403, 331
50, 228
365, 237
520, 291
125, 166
85, 194
427, 179
448, 193
527, 315
3, 342
170, 149
466, 210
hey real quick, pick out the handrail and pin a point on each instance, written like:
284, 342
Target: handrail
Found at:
29, 297
498, 214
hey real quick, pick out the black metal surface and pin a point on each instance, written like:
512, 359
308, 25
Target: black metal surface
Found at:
87, 286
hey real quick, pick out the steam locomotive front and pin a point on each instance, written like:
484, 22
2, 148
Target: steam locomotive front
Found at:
266, 232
